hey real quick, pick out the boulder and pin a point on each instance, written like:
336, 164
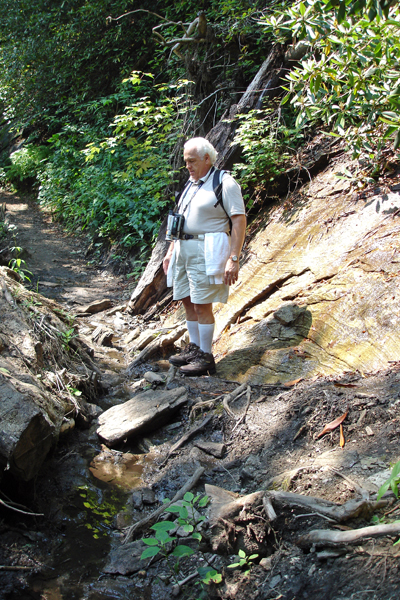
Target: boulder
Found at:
26, 433
146, 411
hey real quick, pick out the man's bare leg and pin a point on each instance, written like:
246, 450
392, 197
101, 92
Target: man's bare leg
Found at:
203, 314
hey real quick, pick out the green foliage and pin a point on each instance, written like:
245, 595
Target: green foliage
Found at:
3, 229
27, 163
245, 562
67, 337
265, 145
392, 483
115, 187
99, 509
349, 79
17, 264
163, 543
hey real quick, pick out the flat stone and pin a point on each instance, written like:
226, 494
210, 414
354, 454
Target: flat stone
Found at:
212, 448
125, 559
146, 411
95, 307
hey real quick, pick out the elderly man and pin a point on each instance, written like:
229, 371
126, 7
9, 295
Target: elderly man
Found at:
204, 261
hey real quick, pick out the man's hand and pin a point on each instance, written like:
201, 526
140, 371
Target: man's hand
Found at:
237, 238
167, 258
231, 272
165, 264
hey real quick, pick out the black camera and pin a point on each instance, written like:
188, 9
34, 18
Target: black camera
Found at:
174, 226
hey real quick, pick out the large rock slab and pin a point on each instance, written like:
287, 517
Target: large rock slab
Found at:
146, 411
26, 433
318, 293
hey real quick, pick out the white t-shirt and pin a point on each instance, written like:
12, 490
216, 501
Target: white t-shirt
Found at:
200, 215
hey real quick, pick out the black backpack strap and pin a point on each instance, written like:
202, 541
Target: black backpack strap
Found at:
217, 187
179, 195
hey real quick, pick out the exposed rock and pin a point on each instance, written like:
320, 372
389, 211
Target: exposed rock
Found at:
144, 412
212, 448
95, 307
125, 559
26, 434
318, 291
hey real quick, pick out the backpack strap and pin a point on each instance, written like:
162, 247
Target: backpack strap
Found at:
217, 187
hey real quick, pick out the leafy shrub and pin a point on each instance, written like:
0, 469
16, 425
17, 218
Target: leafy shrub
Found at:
114, 187
349, 79
26, 163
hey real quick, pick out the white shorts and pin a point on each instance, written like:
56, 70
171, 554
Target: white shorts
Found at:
189, 276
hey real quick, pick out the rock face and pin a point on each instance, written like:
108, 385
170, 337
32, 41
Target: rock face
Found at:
318, 291
146, 411
26, 432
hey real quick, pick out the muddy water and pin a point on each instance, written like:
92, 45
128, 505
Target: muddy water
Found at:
100, 485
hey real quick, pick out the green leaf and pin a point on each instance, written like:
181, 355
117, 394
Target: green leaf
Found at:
182, 550
163, 526
150, 541
149, 552
204, 501
188, 497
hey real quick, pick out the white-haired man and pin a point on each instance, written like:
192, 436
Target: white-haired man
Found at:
204, 262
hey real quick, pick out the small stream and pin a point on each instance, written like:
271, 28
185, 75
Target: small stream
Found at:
98, 484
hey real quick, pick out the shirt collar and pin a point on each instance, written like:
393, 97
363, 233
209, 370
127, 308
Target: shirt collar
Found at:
204, 178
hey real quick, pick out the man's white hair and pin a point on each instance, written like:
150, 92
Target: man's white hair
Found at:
203, 147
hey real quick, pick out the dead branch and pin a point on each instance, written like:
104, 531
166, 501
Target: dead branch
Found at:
240, 391
160, 342
15, 568
225, 505
243, 416
176, 43
321, 537
152, 518
22, 512
185, 438
340, 513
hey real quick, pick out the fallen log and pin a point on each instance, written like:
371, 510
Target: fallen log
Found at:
136, 528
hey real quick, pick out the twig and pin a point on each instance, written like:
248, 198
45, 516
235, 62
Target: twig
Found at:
315, 514
152, 518
240, 391
242, 418
23, 512
187, 437
15, 568
392, 510
328, 537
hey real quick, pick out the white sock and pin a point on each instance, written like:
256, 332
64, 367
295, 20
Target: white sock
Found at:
193, 330
206, 332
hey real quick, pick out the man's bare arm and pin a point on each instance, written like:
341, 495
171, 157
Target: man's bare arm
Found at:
238, 233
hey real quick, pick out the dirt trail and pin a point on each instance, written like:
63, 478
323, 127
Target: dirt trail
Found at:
57, 260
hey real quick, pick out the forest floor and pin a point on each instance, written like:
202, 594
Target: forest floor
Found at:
272, 442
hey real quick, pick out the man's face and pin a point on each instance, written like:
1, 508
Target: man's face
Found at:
197, 167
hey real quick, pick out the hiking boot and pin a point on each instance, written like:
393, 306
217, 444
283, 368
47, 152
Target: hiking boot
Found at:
202, 364
189, 352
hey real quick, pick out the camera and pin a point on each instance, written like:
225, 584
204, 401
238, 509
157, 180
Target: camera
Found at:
174, 226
